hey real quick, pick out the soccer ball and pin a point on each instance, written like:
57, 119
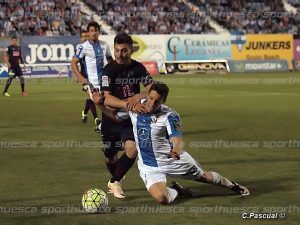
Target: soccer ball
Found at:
94, 200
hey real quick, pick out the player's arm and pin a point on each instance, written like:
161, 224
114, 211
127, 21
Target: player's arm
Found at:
80, 53
6, 59
98, 99
113, 101
76, 71
173, 129
177, 147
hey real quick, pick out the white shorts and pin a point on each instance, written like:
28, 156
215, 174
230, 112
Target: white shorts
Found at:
184, 168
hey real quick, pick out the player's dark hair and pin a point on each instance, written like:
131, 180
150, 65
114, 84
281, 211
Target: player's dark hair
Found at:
123, 38
82, 31
13, 37
161, 88
93, 24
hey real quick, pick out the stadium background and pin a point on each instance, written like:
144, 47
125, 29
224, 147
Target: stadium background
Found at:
244, 124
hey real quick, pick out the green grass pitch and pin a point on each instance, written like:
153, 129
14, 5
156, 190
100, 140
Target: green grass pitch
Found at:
245, 126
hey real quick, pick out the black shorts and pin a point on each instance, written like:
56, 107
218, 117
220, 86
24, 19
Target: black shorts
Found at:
114, 135
15, 71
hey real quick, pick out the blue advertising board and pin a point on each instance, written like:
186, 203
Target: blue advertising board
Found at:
41, 50
48, 56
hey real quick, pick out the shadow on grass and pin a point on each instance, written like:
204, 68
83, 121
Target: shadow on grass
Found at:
204, 131
256, 188
20, 200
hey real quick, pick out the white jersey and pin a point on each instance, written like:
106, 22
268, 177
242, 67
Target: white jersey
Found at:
95, 56
152, 133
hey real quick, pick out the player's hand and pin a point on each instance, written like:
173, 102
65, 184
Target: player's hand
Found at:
97, 97
8, 66
139, 108
175, 155
133, 101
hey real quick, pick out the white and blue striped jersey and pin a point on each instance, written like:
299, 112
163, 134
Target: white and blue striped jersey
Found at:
95, 56
152, 133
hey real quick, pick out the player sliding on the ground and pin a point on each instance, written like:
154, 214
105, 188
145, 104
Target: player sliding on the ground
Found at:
159, 144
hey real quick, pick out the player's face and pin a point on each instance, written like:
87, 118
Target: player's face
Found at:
122, 53
13, 41
94, 34
154, 101
83, 37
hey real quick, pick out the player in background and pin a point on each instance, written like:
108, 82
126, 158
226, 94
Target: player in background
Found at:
95, 54
84, 36
121, 81
160, 149
12, 57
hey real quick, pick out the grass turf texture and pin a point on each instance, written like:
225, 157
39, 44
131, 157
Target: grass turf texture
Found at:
59, 158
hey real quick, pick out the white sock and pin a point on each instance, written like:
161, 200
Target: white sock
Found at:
220, 180
171, 194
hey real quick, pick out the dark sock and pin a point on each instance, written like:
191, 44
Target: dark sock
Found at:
111, 166
87, 106
124, 164
8, 82
22, 82
93, 109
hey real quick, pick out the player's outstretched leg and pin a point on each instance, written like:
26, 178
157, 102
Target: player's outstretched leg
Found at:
182, 192
216, 178
166, 195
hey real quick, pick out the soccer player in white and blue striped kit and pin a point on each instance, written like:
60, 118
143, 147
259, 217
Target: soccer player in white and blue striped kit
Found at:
160, 154
94, 54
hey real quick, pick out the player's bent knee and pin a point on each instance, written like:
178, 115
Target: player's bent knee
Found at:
206, 177
130, 149
161, 198
159, 193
